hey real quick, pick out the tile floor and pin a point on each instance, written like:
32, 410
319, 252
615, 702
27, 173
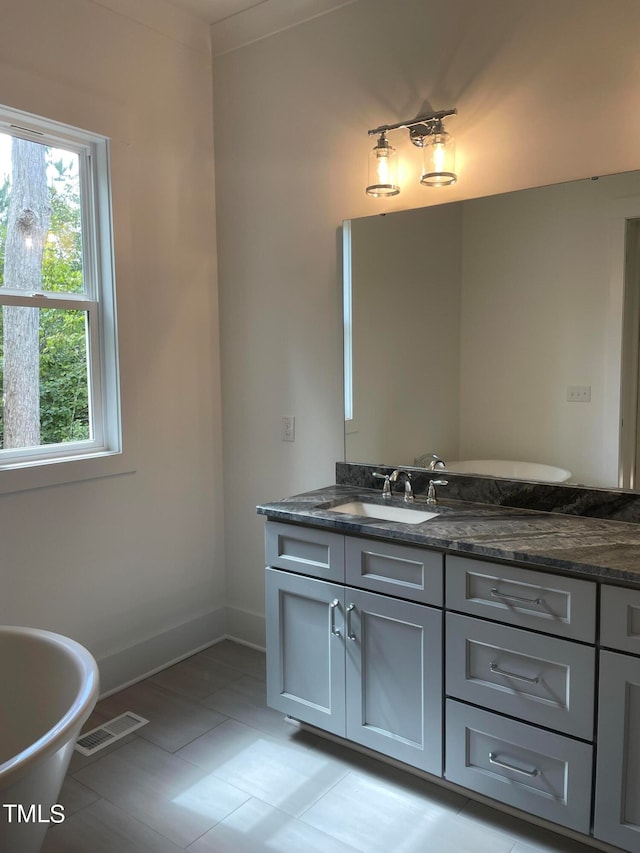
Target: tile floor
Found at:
216, 771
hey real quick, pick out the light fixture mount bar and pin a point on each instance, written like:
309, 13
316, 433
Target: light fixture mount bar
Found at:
428, 117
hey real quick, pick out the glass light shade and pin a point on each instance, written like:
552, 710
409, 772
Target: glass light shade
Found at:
439, 160
383, 170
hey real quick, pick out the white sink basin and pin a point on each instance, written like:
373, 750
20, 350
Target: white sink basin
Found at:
384, 513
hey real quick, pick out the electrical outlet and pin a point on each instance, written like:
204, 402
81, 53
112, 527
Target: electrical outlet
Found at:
579, 393
288, 428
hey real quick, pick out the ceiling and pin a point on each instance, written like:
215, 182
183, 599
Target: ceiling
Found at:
214, 11
239, 22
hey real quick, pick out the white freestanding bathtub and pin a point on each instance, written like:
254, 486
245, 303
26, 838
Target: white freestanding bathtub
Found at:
48, 688
509, 469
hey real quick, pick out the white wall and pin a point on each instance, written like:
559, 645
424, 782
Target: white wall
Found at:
120, 561
545, 91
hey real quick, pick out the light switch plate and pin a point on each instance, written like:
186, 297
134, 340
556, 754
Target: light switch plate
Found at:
288, 428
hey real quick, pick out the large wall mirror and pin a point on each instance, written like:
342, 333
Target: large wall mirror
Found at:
499, 328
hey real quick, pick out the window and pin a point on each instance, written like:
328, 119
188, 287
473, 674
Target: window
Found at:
58, 346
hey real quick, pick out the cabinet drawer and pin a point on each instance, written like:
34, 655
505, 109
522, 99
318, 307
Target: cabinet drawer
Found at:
398, 570
523, 597
305, 550
542, 773
620, 618
533, 677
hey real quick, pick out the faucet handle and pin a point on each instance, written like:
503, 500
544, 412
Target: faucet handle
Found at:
431, 493
386, 487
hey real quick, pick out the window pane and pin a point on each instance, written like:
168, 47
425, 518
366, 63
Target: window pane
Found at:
40, 217
44, 377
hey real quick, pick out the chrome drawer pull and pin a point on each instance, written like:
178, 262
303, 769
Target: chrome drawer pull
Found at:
493, 666
493, 759
332, 607
497, 594
350, 633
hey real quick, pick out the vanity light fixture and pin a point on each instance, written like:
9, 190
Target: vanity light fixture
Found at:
438, 150
383, 168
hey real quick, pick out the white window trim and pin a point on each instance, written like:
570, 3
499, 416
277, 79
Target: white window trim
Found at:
104, 454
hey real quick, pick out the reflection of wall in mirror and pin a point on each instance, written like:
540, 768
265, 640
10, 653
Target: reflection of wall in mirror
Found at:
494, 334
406, 334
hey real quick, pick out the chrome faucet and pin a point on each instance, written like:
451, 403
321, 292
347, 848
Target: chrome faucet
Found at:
408, 491
430, 461
431, 493
436, 462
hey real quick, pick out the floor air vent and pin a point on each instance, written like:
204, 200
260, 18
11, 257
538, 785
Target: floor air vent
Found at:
109, 733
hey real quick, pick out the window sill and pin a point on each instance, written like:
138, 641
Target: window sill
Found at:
54, 472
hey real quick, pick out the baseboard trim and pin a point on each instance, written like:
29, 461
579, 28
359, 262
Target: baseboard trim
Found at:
131, 665
246, 628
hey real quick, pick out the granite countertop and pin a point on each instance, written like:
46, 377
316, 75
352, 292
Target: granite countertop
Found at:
601, 549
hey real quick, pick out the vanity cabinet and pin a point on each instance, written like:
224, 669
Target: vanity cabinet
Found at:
406, 650
338, 657
617, 800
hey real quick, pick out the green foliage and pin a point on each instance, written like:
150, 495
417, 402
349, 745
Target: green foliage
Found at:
64, 404
64, 401
62, 261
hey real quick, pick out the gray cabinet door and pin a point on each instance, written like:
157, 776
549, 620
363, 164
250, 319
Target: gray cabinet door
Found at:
617, 812
394, 678
305, 649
